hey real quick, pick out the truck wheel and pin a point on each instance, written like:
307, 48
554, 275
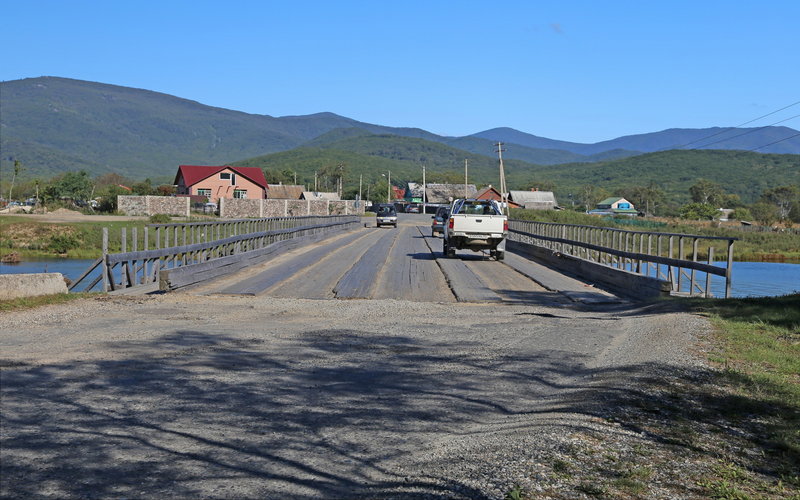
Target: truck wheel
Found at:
499, 255
444, 247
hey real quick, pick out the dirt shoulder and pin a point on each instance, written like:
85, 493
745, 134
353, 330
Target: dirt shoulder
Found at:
189, 395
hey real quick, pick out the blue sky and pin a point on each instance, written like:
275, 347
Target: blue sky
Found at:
581, 71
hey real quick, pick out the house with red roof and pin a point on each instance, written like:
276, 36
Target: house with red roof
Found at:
221, 182
490, 193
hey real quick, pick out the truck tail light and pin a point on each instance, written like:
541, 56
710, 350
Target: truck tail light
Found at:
450, 224
505, 226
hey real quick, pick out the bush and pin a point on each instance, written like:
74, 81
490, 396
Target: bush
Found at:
160, 219
741, 214
699, 211
62, 243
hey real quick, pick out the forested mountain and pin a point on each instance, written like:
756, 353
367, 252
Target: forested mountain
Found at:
746, 174
738, 172
52, 125
675, 138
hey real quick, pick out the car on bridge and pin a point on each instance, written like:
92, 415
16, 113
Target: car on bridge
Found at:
439, 220
386, 215
475, 225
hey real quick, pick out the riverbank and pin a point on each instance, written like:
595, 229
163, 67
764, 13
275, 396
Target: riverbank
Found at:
67, 234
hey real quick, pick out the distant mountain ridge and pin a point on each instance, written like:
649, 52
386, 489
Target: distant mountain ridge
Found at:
674, 138
56, 124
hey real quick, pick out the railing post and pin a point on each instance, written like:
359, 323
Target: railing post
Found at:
135, 237
694, 259
104, 267
729, 270
670, 272
124, 249
708, 275
681, 256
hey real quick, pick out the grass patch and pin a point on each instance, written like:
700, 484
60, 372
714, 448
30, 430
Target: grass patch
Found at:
42, 300
78, 240
757, 343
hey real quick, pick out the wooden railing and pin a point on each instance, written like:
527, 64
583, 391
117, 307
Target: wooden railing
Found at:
669, 256
166, 246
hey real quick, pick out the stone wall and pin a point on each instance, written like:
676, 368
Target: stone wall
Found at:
238, 208
286, 208
231, 208
152, 205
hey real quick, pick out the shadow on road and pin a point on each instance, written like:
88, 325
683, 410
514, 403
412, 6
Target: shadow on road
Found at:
331, 414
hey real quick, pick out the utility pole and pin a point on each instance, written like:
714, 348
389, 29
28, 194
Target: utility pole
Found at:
424, 198
502, 177
389, 189
315, 181
466, 167
295, 178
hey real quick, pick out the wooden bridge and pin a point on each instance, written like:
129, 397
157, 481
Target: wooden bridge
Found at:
340, 257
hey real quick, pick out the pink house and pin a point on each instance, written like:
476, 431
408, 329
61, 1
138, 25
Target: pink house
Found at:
221, 182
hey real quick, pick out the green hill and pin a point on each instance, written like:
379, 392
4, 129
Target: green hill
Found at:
744, 173
375, 155
56, 124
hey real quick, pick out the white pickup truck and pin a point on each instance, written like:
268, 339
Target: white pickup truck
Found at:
475, 225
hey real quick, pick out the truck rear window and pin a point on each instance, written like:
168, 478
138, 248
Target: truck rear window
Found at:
473, 208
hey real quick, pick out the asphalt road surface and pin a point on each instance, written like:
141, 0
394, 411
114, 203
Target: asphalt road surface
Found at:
267, 385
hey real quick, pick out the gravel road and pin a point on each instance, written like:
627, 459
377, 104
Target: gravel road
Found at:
205, 396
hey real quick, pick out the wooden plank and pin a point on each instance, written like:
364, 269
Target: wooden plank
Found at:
265, 280
466, 286
358, 281
86, 273
172, 279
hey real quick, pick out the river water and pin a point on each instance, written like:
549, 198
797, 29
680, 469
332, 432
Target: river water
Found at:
750, 279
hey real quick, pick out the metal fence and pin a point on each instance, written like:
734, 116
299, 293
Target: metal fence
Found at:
673, 257
165, 246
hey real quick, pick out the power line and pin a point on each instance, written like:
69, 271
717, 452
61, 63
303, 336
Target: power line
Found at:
776, 142
748, 132
730, 128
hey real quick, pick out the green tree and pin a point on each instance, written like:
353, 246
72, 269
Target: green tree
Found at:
144, 188
706, 192
73, 185
17, 170
645, 198
108, 202
783, 197
590, 195
765, 213
699, 211
741, 213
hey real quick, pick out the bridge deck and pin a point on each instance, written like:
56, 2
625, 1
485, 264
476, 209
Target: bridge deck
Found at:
406, 263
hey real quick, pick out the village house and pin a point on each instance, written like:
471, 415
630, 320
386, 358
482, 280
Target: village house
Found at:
444, 194
534, 199
615, 206
220, 182
490, 193
285, 191
317, 195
